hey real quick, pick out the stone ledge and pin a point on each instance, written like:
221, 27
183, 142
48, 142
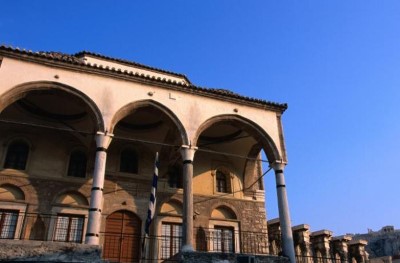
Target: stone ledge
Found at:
214, 257
321, 233
48, 251
301, 227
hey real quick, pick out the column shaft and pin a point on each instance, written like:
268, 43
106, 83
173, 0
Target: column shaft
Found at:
187, 156
284, 214
96, 197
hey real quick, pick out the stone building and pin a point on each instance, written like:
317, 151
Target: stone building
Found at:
78, 138
383, 245
319, 246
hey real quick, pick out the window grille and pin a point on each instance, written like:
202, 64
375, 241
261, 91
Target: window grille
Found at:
223, 239
8, 223
171, 239
69, 228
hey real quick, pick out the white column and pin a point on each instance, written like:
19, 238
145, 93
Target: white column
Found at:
187, 156
284, 214
96, 197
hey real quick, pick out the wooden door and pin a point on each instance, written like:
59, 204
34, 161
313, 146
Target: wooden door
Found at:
122, 237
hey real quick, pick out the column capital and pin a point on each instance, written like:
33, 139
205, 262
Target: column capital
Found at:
188, 152
278, 165
103, 140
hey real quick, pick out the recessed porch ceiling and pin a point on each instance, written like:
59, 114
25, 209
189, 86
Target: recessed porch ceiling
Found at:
52, 108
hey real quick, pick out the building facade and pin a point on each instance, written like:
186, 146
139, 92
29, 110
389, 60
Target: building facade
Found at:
78, 138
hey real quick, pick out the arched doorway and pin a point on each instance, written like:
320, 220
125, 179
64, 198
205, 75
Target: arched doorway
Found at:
122, 237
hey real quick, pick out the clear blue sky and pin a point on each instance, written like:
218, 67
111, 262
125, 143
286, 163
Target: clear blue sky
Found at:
335, 62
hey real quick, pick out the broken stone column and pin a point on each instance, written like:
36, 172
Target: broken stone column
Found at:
339, 248
320, 245
301, 237
274, 237
357, 252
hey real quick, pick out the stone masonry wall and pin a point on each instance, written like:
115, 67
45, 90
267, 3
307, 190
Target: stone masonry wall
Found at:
24, 250
382, 243
203, 257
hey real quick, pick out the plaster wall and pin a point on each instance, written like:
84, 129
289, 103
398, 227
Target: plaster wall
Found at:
112, 94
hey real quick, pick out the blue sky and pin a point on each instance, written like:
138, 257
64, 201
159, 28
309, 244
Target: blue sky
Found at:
336, 63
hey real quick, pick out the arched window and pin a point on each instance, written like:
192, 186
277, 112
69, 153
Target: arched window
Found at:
222, 182
17, 155
77, 164
129, 161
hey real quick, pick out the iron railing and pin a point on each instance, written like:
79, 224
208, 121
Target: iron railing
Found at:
70, 228
316, 259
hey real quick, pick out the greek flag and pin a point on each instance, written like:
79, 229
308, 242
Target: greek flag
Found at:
152, 202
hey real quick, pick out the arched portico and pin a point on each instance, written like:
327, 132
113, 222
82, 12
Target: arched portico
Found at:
55, 117
253, 130
23, 90
130, 108
234, 136
139, 125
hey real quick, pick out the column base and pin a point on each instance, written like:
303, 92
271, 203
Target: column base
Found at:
92, 240
187, 248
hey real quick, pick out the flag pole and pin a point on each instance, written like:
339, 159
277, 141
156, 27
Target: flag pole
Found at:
151, 210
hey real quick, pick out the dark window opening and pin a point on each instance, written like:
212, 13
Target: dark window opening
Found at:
129, 161
77, 164
17, 155
222, 182
175, 177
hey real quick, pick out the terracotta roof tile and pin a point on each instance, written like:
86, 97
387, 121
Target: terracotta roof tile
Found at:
83, 53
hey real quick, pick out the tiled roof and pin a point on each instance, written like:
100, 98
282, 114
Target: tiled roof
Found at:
77, 61
82, 53
62, 57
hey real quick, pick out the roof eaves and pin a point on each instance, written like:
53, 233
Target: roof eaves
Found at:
226, 93
68, 59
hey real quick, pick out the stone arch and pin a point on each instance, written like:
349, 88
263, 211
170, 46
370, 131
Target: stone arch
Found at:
251, 127
24, 184
11, 192
249, 183
22, 90
172, 207
71, 198
127, 109
223, 212
224, 169
226, 207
